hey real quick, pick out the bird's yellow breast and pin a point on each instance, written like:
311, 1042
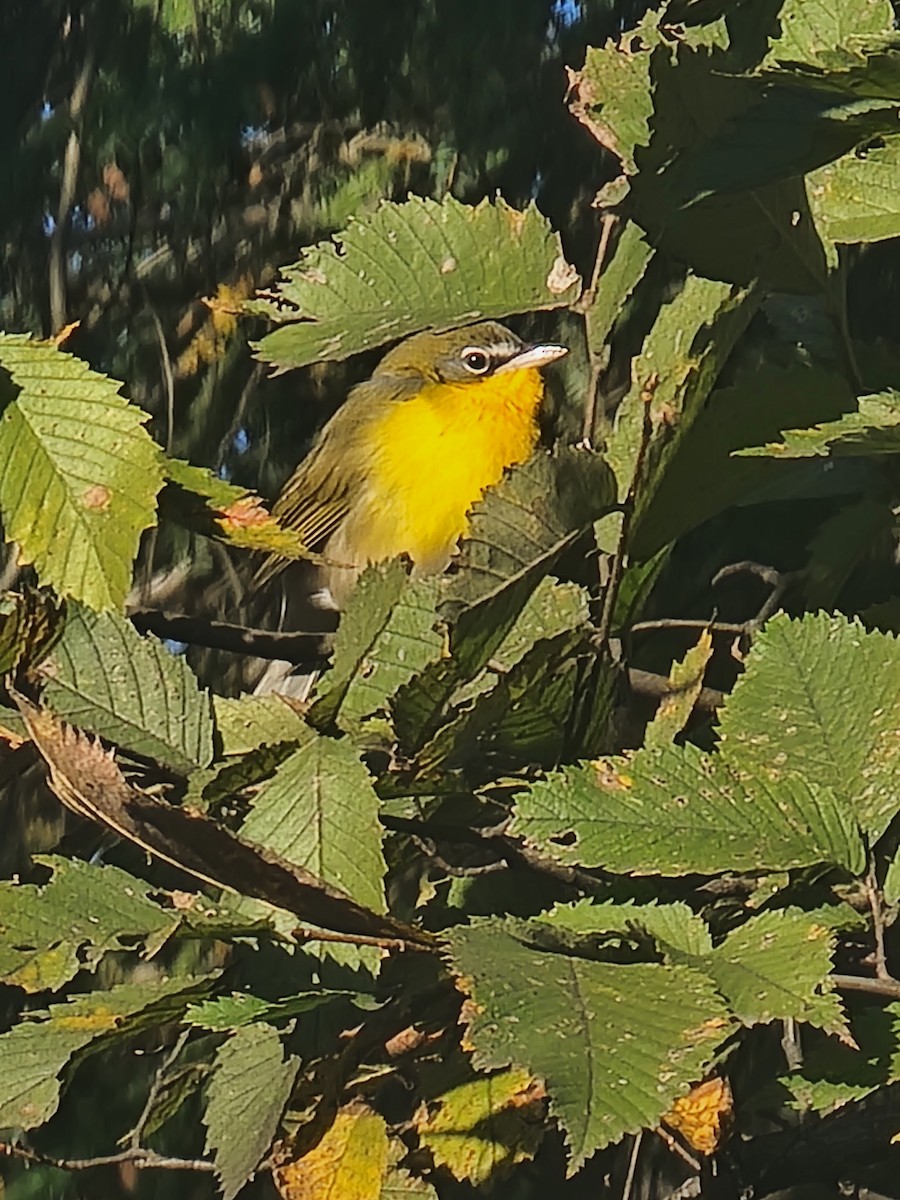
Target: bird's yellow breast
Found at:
433, 456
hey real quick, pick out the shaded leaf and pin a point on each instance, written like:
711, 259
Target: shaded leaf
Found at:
702, 477
617, 283
79, 474
410, 266
873, 429
615, 1044
480, 1126
35, 1051
834, 1072
53, 930
250, 1086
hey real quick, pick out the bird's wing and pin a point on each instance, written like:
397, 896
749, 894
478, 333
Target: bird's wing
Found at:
318, 496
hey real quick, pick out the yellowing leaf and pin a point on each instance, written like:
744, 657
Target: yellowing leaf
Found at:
486, 1125
702, 1116
349, 1163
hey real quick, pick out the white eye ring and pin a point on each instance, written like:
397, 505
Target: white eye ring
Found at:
476, 360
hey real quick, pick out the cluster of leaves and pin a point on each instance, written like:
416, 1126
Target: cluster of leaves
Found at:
529, 925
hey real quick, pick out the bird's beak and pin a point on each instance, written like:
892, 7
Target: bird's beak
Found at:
538, 355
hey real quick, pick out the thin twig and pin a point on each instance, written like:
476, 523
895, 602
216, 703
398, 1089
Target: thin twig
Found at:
778, 581
617, 568
430, 850
677, 1148
790, 1044
889, 988
678, 623
645, 683
632, 1164
508, 849
356, 939
221, 635
139, 1158
134, 1140
875, 898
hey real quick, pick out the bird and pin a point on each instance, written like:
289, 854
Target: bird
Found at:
396, 470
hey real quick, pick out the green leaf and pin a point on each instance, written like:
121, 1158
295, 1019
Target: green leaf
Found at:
613, 94
51, 931
79, 474
673, 926
242, 1008
873, 429
615, 1044
248, 722
30, 622
247, 1095
775, 967
387, 634
105, 678
675, 810
685, 683
857, 198
822, 695
35, 1051
617, 283
539, 712
320, 811
410, 266
518, 530
809, 29
674, 373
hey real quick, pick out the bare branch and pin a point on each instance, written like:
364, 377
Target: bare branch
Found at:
139, 1158
221, 635
889, 988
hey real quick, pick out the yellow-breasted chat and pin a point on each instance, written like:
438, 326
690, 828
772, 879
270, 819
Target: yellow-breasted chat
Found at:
397, 468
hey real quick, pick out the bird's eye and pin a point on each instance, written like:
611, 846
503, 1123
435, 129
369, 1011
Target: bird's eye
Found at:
475, 360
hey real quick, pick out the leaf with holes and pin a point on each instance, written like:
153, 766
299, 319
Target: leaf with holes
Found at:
412, 266
823, 694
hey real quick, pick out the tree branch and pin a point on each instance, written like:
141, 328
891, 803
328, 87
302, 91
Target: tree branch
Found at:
139, 1158
221, 635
